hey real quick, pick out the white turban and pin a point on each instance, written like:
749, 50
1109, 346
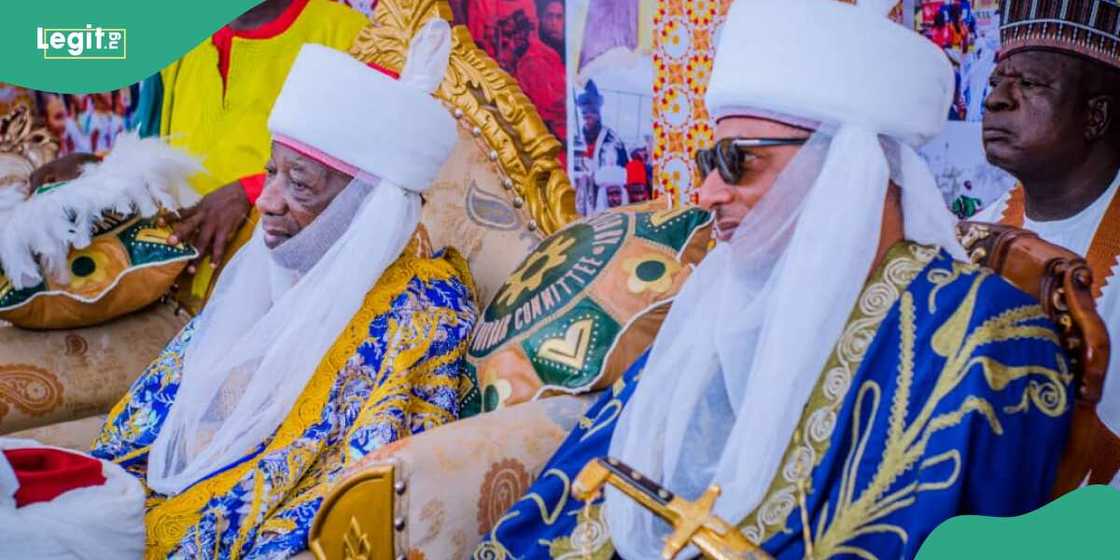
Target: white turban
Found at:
756, 321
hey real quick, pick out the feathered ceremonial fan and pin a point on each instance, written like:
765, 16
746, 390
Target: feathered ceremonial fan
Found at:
84, 251
137, 179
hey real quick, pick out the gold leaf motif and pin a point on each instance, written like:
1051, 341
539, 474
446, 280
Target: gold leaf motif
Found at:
355, 544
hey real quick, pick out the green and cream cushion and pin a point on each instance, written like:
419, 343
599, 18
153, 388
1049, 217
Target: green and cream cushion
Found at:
128, 265
585, 303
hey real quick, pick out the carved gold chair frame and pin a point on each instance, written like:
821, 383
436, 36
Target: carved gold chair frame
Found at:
487, 101
364, 518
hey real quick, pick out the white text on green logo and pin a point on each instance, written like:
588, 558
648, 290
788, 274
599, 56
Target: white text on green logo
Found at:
89, 43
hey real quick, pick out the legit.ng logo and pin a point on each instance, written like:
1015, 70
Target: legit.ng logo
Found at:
88, 43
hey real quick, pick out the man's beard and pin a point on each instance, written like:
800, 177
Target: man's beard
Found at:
301, 252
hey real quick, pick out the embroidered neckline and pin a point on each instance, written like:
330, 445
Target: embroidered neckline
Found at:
813, 436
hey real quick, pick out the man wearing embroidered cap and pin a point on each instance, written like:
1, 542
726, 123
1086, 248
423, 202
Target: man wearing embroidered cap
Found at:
332, 333
832, 365
1053, 121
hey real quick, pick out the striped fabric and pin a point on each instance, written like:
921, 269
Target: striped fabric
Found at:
1089, 28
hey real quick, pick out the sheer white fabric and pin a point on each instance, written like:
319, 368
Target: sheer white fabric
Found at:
746, 339
254, 349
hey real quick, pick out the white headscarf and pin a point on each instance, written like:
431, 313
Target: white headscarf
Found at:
254, 349
749, 334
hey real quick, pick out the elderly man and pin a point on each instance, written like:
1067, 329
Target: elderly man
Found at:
832, 364
331, 334
1053, 121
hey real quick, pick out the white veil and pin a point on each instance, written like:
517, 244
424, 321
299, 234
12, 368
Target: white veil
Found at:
749, 333
275, 314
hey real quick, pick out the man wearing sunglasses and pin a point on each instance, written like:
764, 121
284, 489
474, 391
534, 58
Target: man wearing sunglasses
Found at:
833, 365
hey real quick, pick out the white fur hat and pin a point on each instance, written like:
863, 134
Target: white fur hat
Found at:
361, 120
832, 63
610, 175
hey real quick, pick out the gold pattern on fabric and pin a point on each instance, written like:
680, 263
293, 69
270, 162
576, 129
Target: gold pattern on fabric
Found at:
169, 519
814, 432
590, 540
863, 511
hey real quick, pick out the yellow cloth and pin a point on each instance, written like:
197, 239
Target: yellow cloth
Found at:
229, 130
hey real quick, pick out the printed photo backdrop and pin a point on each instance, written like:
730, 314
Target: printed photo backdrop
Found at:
610, 113
622, 82
526, 37
80, 122
968, 32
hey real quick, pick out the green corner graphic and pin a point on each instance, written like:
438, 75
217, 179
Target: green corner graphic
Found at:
1081, 524
149, 35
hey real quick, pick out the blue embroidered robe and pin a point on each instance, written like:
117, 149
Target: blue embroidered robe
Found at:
947, 394
396, 370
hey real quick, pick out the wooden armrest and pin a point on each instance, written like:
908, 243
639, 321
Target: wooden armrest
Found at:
1062, 283
439, 492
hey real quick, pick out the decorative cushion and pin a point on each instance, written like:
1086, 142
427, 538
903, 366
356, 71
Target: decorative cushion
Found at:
127, 265
586, 303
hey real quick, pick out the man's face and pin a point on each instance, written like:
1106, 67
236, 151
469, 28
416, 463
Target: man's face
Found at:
56, 115
296, 191
1035, 115
123, 102
590, 115
614, 196
552, 22
732, 203
103, 101
637, 192
513, 41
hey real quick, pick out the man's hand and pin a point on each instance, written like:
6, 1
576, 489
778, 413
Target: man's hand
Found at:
212, 223
64, 168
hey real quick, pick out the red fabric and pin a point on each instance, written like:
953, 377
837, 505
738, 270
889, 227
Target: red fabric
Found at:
635, 172
44, 474
223, 38
391, 73
253, 185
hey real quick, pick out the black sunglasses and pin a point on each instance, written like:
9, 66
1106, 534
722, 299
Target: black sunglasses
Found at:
729, 154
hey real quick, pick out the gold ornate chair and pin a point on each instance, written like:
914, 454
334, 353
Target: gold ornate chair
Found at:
502, 190
1061, 281
434, 495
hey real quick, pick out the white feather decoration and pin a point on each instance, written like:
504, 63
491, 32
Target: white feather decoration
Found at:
139, 177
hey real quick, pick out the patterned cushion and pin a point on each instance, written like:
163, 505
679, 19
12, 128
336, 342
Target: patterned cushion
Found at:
586, 303
128, 265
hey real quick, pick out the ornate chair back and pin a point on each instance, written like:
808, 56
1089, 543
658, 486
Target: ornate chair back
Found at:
503, 188
1061, 281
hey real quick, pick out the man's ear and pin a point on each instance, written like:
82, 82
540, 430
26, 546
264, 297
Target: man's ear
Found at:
1102, 117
